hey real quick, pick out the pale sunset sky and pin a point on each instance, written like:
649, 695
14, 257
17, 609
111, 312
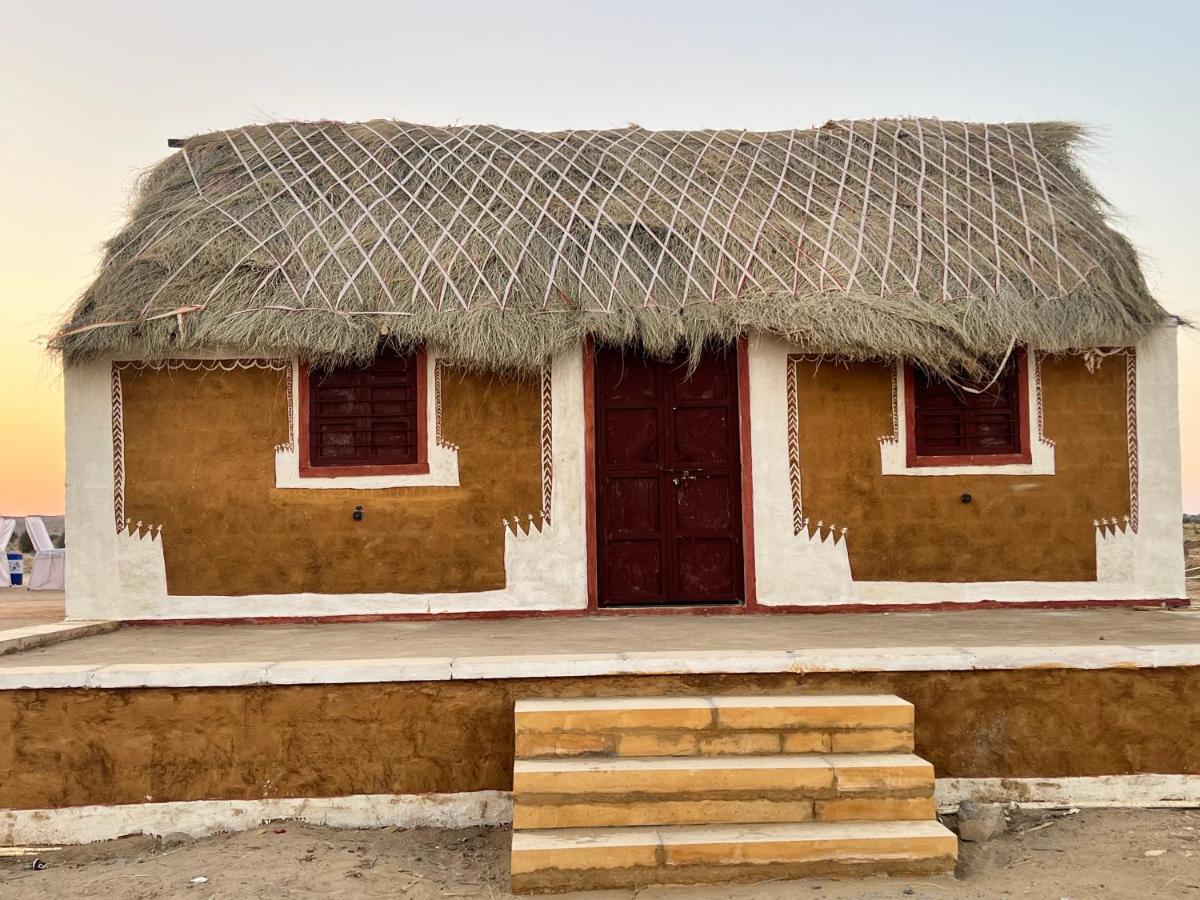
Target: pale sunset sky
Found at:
90, 92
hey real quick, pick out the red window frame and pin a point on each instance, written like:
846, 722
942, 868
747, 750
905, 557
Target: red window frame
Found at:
304, 437
1020, 363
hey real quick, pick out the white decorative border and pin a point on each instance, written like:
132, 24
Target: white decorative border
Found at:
813, 569
442, 455
893, 453
121, 574
798, 570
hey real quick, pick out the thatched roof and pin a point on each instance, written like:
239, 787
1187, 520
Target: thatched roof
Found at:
939, 240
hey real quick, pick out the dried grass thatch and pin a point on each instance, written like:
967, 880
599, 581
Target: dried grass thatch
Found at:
941, 241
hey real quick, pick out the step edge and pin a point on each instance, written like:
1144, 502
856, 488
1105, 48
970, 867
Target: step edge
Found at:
529, 840
720, 762
788, 701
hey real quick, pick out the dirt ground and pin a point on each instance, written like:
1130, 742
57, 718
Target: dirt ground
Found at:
1087, 854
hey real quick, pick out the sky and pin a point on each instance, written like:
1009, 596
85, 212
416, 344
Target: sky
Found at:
90, 92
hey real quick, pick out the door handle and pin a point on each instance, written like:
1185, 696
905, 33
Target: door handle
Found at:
682, 475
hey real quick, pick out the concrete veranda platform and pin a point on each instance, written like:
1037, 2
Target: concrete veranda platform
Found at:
30, 619
207, 655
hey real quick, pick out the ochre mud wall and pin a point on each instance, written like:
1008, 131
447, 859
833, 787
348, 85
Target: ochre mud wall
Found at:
916, 528
79, 747
200, 460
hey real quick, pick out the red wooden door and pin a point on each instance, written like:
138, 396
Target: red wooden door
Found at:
668, 497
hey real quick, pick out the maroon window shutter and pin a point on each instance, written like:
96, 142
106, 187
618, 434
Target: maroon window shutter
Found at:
950, 421
365, 416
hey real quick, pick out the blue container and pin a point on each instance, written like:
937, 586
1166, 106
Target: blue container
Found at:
16, 568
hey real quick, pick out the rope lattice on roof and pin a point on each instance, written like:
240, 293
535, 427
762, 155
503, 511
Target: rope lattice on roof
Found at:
939, 240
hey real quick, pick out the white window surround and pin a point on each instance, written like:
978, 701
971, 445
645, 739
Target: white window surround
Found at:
893, 454
442, 456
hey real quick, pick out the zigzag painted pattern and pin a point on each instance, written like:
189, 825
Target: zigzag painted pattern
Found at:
1038, 359
547, 445
894, 437
290, 445
118, 442
438, 368
1131, 435
793, 426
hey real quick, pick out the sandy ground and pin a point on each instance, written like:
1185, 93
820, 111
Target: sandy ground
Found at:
20, 607
1090, 854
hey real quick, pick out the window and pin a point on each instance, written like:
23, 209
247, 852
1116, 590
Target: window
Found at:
948, 425
365, 420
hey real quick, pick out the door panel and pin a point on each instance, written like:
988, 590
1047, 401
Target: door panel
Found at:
710, 381
668, 496
704, 506
632, 506
635, 571
706, 569
701, 436
632, 381
632, 436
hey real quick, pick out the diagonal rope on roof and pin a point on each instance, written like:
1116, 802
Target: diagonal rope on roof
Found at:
941, 240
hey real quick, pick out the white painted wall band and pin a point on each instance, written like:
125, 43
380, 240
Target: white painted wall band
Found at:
122, 576
1134, 791
198, 818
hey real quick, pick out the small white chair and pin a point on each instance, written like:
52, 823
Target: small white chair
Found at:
6, 529
50, 563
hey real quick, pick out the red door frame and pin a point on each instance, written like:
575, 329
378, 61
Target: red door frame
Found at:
750, 601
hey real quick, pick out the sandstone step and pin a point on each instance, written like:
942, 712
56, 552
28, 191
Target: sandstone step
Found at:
591, 858
702, 726
570, 793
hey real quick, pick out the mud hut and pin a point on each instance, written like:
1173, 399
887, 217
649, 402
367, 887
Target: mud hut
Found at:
342, 369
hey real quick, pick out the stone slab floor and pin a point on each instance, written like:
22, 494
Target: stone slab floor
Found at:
187, 644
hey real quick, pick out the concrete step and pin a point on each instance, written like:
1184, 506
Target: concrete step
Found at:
572, 793
592, 858
703, 726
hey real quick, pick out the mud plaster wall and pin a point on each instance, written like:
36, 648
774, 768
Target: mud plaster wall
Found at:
916, 528
200, 459
78, 747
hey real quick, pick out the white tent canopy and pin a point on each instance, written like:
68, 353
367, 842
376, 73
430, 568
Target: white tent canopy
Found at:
6, 530
50, 564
